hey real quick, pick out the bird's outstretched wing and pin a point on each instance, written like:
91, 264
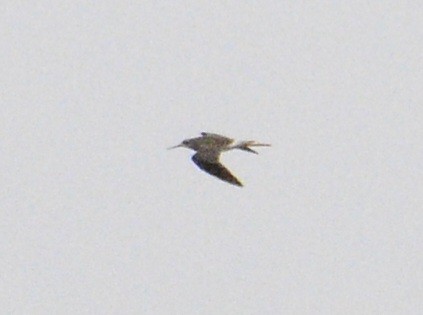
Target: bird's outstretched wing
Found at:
210, 134
215, 168
217, 138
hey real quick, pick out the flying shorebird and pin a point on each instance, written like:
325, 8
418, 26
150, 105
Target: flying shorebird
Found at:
209, 147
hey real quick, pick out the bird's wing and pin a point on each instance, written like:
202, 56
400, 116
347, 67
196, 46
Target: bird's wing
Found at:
220, 139
210, 164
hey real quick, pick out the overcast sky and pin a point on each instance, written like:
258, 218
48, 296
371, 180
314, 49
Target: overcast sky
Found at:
97, 217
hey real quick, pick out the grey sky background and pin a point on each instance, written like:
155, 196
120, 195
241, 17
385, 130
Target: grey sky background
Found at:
97, 217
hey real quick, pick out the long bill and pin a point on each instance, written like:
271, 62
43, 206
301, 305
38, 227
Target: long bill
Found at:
176, 146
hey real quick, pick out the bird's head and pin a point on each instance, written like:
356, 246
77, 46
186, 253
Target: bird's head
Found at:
183, 144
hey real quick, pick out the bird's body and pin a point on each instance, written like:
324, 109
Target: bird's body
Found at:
209, 147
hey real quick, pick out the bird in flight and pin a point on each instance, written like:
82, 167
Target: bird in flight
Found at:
209, 147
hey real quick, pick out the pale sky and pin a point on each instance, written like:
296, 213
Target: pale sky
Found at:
97, 217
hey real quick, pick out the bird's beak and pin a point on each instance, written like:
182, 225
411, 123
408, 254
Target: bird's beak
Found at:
176, 146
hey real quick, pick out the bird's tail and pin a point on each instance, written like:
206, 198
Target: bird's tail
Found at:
245, 146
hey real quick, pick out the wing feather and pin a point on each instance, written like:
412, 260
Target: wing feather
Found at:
216, 169
222, 140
